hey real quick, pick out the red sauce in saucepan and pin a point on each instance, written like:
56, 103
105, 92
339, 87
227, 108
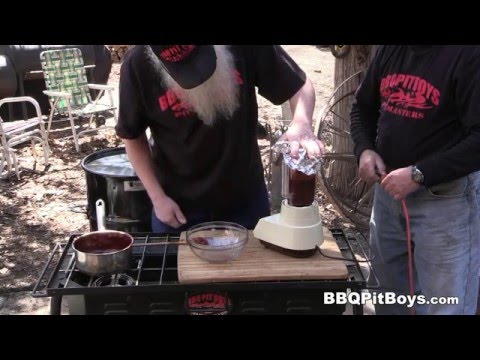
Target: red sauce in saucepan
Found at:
102, 242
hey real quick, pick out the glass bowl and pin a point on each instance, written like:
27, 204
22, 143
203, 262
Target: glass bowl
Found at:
217, 241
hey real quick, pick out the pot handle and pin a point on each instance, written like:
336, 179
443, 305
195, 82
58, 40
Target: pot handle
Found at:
100, 207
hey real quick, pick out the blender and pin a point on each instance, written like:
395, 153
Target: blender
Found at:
297, 229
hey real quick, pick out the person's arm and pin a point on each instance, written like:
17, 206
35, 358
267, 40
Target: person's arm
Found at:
363, 129
363, 124
366, 109
279, 78
138, 152
131, 128
300, 131
166, 209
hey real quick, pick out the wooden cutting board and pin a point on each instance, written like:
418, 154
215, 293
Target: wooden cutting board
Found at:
257, 263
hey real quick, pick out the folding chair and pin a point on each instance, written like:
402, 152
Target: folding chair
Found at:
18, 132
69, 91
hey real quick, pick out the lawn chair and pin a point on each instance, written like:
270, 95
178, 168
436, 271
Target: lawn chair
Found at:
18, 132
69, 91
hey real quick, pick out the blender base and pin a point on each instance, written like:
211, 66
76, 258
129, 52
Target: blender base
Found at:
295, 231
289, 252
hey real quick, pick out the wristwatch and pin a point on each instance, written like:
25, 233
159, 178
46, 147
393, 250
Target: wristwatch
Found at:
417, 175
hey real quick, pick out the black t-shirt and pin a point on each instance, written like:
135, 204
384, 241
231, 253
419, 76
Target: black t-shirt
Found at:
421, 105
200, 166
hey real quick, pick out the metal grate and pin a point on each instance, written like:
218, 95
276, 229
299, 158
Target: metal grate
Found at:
150, 267
155, 268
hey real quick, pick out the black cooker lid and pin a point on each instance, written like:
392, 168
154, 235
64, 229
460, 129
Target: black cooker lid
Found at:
111, 165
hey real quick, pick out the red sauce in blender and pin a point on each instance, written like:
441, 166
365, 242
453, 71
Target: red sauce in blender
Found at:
301, 188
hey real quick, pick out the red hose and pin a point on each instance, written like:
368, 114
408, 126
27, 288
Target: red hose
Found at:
410, 257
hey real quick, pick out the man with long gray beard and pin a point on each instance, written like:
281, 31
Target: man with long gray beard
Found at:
199, 102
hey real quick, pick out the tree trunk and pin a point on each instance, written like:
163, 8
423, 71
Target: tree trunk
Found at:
118, 52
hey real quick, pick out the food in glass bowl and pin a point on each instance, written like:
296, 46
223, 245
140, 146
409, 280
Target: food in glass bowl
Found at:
217, 241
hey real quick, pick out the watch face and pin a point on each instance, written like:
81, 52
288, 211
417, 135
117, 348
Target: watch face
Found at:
417, 175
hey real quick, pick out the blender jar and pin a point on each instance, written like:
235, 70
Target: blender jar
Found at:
298, 187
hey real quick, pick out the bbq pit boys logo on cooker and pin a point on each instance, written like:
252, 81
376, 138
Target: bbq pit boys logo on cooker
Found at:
211, 303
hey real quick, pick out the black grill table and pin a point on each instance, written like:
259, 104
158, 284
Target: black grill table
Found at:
151, 286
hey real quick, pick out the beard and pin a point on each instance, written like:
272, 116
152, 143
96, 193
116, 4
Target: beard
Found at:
218, 97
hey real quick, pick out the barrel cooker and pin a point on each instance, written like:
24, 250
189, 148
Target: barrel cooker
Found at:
110, 177
8, 78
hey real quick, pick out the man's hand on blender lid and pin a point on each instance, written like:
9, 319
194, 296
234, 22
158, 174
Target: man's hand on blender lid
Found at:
300, 134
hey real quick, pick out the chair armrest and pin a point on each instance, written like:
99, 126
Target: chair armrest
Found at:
33, 75
18, 99
57, 93
101, 87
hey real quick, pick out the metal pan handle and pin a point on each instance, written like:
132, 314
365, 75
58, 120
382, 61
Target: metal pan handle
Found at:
100, 207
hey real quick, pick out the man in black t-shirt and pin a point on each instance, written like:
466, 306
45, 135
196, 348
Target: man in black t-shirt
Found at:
199, 103
416, 129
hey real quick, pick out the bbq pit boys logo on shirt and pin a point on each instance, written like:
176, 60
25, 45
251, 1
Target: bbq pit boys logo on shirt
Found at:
408, 95
179, 108
176, 52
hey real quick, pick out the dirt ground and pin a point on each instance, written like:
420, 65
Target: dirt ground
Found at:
48, 204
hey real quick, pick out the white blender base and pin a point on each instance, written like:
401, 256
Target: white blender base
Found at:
294, 228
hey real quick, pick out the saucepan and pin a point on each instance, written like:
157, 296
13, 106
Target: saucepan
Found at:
106, 251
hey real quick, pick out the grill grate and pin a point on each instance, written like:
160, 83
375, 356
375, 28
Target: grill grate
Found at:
155, 268
151, 266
